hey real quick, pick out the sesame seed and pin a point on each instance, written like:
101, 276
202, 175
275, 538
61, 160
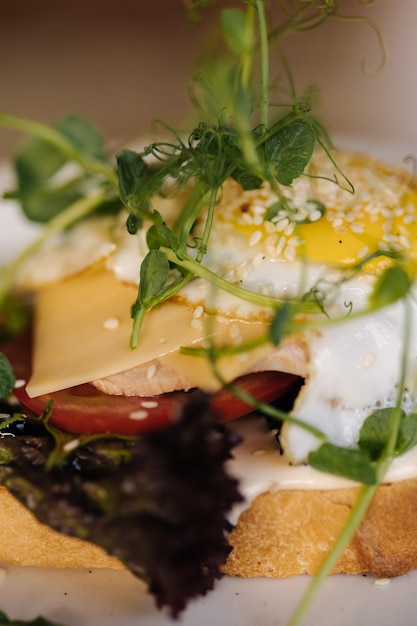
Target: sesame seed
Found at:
138, 415
280, 245
258, 452
257, 220
269, 228
151, 371
294, 241
337, 222
246, 218
382, 582
289, 253
404, 241
315, 215
289, 230
368, 360
111, 323
199, 310
357, 228
71, 445
20, 382
196, 324
255, 238
271, 240
282, 225
4, 415
408, 219
149, 404
363, 252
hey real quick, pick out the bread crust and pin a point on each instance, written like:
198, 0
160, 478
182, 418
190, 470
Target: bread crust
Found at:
25, 541
282, 534
287, 533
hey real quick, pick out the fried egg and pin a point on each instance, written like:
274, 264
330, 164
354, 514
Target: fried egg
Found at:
326, 240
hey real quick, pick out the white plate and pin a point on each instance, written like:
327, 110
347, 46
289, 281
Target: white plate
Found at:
114, 598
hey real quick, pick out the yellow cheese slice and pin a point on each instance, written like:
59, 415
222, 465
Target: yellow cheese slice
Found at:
83, 326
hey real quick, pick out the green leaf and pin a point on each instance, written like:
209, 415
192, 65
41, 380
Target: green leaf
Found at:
159, 235
247, 179
346, 462
273, 210
153, 276
39, 161
84, 136
375, 432
132, 176
36, 163
133, 224
234, 28
279, 323
289, 150
42, 204
7, 377
407, 437
391, 286
38, 621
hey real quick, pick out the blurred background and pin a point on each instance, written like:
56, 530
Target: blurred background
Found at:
122, 63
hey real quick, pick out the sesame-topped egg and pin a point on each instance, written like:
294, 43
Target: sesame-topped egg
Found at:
321, 240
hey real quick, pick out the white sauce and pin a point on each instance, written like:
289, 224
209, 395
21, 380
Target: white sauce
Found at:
259, 466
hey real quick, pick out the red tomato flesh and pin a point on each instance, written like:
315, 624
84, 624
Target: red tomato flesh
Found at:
84, 409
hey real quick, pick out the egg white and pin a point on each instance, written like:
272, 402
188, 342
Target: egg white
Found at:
353, 366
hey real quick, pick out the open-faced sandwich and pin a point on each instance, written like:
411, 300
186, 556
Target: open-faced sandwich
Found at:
246, 273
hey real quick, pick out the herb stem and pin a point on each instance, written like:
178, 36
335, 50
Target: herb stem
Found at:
389, 450
192, 266
355, 517
202, 249
61, 143
264, 51
367, 492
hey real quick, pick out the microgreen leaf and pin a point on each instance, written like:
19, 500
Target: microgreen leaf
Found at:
44, 187
159, 235
392, 285
235, 32
279, 322
407, 436
247, 179
83, 136
289, 150
133, 223
346, 462
273, 210
38, 621
375, 432
153, 275
154, 272
7, 377
132, 171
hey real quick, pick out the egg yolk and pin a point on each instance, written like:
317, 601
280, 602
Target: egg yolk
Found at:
349, 232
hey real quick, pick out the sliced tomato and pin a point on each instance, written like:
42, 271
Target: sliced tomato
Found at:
84, 409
